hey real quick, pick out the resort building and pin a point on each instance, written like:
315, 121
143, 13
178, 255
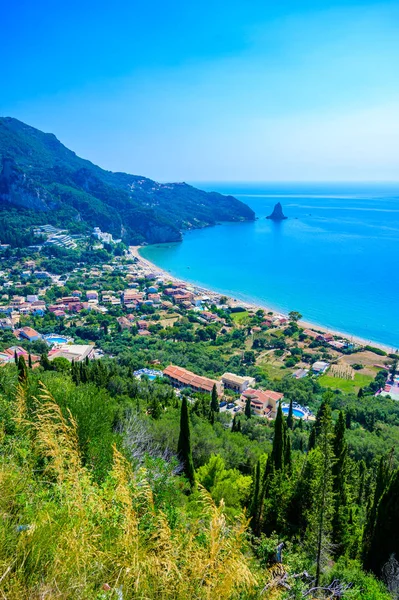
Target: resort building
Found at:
72, 352
181, 378
29, 334
263, 403
236, 382
320, 367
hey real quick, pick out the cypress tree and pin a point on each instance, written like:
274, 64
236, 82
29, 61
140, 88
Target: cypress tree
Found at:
248, 412
382, 479
184, 443
362, 483
22, 372
323, 508
254, 508
278, 440
239, 425
30, 360
287, 453
340, 473
312, 438
16, 357
385, 536
212, 416
290, 418
214, 399
45, 363
234, 424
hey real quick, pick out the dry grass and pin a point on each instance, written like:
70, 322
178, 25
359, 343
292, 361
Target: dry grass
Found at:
77, 535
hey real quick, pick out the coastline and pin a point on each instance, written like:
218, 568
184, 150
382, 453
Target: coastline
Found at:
152, 267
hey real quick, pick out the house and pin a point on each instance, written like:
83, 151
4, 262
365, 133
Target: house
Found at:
9, 354
263, 402
29, 334
32, 298
6, 324
92, 295
142, 324
182, 378
72, 352
17, 301
180, 298
208, 316
314, 335
236, 382
320, 367
124, 323
300, 373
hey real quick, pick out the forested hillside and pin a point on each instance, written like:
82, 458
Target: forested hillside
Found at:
98, 498
47, 183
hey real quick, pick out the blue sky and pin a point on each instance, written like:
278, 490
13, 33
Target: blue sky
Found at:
211, 90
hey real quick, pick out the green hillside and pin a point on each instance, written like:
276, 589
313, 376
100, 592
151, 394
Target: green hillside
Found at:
48, 183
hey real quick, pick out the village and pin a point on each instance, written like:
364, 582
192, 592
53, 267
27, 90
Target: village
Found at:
130, 297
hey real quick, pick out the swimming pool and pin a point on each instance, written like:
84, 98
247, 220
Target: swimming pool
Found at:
56, 339
296, 411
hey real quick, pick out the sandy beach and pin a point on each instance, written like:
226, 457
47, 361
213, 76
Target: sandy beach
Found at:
148, 266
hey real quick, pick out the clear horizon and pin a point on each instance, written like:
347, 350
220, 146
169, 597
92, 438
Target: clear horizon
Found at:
292, 92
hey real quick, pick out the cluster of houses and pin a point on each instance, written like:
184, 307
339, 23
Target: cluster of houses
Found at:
339, 344
263, 402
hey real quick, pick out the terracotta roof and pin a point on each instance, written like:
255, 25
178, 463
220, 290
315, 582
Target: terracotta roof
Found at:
190, 379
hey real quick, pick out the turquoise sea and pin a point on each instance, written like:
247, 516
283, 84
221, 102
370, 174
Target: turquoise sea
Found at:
335, 259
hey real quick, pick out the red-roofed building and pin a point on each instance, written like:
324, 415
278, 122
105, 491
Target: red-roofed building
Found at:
263, 402
180, 377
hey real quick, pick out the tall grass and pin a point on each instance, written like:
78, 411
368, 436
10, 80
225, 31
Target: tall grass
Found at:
64, 535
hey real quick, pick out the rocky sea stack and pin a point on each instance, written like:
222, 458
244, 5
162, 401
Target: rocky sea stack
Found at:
277, 214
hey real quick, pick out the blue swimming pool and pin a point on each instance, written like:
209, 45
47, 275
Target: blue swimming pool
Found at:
56, 339
297, 412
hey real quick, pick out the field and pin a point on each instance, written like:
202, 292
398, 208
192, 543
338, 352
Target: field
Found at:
346, 385
240, 317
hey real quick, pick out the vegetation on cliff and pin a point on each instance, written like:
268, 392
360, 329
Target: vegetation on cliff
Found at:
47, 183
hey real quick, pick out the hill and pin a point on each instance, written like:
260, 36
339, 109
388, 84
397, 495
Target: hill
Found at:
49, 183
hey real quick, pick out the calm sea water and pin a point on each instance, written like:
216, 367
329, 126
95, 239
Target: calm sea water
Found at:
335, 259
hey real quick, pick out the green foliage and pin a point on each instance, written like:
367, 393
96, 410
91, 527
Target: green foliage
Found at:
43, 168
224, 484
184, 443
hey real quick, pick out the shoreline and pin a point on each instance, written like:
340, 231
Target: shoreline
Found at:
135, 252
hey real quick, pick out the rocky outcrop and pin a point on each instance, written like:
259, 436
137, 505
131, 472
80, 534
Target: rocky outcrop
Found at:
19, 190
277, 214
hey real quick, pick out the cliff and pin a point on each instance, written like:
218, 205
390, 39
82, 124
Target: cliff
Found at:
53, 185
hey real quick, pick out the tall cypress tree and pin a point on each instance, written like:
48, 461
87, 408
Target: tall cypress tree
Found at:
214, 399
290, 417
385, 537
184, 443
323, 508
248, 411
382, 479
287, 453
278, 440
16, 357
239, 425
340, 474
30, 360
22, 371
234, 424
254, 507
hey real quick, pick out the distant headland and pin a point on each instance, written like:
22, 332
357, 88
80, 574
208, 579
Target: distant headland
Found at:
277, 214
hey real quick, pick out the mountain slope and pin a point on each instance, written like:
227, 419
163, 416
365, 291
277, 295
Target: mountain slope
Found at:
41, 175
